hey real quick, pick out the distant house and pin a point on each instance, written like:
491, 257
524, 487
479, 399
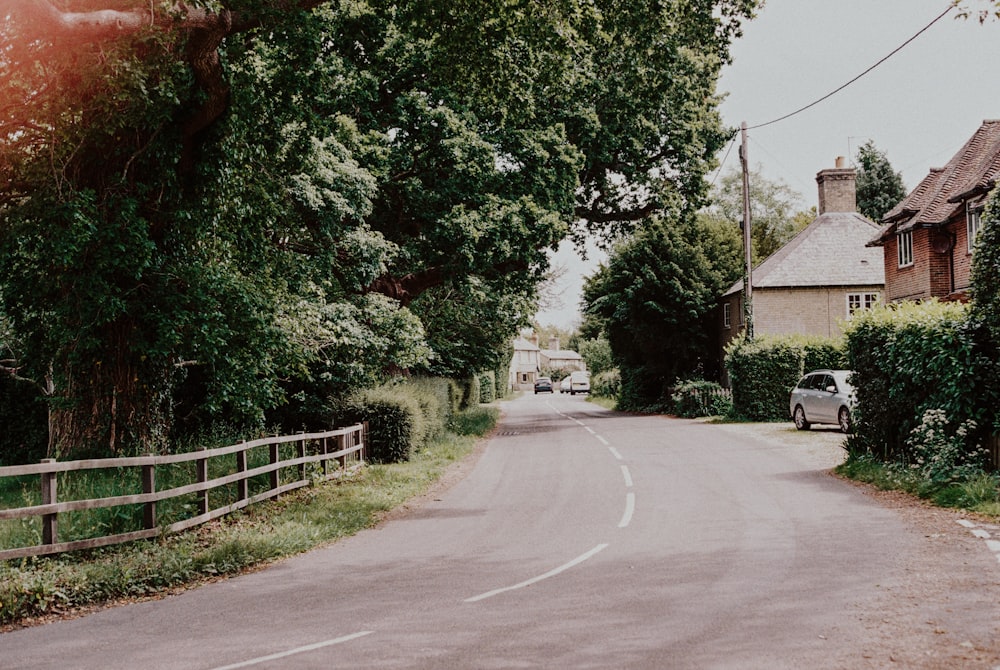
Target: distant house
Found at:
820, 278
560, 359
524, 364
927, 239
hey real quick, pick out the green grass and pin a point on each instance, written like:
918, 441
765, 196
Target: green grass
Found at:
297, 522
979, 494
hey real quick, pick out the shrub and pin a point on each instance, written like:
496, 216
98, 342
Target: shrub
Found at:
606, 384
940, 454
701, 398
396, 424
908, 358
487, 387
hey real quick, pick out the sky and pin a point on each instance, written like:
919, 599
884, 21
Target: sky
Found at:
918, 107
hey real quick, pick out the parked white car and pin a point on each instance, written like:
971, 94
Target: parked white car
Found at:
579, 382
822, 396
564, 385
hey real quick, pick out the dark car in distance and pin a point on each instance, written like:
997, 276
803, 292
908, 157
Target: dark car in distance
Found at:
543, 385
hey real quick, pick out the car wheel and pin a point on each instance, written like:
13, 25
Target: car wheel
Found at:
844, 419
800, 418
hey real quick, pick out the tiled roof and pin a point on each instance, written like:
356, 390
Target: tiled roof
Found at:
565, 354
830, 251
521, 344
970, 173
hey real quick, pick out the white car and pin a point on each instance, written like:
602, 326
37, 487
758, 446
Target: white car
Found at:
579, 382
822, 396
564, 385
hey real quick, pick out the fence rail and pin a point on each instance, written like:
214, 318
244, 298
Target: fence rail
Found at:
346, 446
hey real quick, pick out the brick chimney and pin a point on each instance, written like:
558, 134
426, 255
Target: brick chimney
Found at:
837, 191
553, 343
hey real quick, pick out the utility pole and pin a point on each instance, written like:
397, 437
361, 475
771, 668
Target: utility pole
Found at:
748, 256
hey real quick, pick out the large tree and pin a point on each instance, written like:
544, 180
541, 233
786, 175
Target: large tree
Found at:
655, 299
879, 186
202, 199
775, 217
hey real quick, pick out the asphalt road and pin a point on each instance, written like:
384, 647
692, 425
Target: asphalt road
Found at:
581, 538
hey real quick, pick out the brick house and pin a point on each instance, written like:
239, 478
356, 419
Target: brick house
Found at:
927, 239
813, 284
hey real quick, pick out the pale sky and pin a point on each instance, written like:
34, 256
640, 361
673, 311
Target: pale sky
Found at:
919, 107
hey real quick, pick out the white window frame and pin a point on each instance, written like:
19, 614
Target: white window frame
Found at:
863, 300
727, 315
904, 248
973, 224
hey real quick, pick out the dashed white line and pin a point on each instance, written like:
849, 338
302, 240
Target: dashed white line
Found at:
615, 453
534, 580
602, 440
297, 650
629, 510
627, 475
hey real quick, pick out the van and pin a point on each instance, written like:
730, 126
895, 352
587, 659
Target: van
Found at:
579, 382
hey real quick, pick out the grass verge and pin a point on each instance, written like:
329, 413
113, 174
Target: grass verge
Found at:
66, 584
979, 494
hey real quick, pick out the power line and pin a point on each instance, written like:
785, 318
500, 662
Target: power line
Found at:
841, 88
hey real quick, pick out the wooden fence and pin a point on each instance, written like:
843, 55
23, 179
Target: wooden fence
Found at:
346, 446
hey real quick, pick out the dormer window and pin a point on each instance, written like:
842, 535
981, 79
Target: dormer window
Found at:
973, 222
904, 248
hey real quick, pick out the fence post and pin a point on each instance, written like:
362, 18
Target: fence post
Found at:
326, 449
201, 472
49, 521
241, 467
275, 478
302, 454
149, 486
364, 442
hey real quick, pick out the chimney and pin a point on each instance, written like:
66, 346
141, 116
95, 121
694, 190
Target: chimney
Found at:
533, 339
553, 343
837, 189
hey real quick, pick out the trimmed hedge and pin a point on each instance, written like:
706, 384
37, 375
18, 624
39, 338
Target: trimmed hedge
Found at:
402, 415
487, 387
763, 371
606, 384
908, 358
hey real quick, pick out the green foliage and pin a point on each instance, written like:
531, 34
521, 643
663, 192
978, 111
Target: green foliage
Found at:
879, 187
696, 397
984, 315
763, 371
607, 384
596, 353
774, 218
487, 387
908, 358
656, 297
396, 422
475, 421
941, 454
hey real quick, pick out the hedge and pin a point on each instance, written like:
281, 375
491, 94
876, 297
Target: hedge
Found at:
908, 358
763, 371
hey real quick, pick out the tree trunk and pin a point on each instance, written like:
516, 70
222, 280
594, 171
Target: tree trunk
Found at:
116, 405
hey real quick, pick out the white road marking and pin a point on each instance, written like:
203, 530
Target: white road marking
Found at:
534, 580
603, 441
615, 453
298, 650
627, 475
981, 534
590, 430
966, 523
994, 545
629, 510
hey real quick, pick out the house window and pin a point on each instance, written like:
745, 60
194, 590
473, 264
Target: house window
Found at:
727, 316
973, 223
904, 248
856, 301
